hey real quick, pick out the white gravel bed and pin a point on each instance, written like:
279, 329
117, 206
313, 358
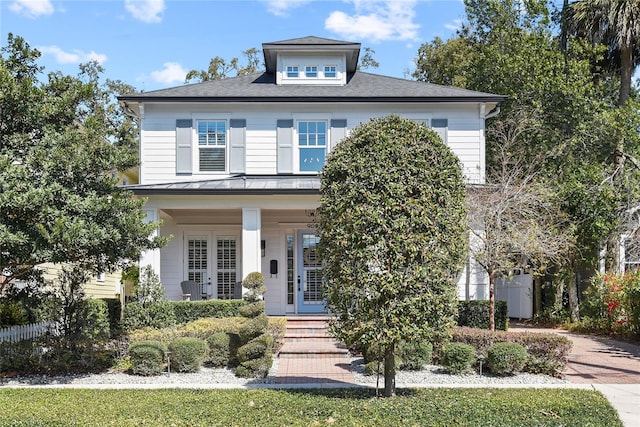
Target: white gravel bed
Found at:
433, 374
205, 376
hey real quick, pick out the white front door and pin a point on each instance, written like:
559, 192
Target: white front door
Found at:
309, 280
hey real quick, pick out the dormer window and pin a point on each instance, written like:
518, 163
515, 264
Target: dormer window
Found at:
293, 72
330, 72
311, 71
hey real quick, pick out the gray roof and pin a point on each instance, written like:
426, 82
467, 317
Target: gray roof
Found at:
313, 44
360, 87
239, 184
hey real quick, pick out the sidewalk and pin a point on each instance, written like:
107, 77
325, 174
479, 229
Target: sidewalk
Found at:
612, 367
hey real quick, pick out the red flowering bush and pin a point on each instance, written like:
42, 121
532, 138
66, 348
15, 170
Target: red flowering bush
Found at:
614, 299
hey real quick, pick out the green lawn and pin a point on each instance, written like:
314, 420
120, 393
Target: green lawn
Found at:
337, 407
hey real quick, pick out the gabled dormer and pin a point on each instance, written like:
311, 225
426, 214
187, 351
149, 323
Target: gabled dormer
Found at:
311, 61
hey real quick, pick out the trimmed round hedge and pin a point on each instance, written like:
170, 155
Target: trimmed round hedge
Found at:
188, 354
458, 357
506, 358
147, 357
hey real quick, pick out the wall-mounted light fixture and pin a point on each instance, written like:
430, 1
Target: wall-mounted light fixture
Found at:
263, 245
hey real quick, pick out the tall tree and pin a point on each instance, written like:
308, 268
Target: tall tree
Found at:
392, 236
59, 201
220, 69
615, 23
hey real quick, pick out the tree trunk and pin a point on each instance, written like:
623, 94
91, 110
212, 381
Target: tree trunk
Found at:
612, 257
574, 308
389, 371
626, 67
492, 301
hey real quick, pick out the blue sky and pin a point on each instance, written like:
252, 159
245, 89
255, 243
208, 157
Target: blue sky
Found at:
152, 44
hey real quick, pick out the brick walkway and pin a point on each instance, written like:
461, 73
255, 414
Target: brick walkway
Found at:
597, 360
310, 356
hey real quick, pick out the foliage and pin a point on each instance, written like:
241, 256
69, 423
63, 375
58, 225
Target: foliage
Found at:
252, 310
147, 357
157, 315
475, 314
254, 282
12, 313
223, 349
392, 224
201, 328
548, 352
149, 289
255, 368
219, 68
253, 327
612, 303
277, 327
506, 358
58, 173
188, 354
114, 310
302, 408
457, 357
415, 354
188, 311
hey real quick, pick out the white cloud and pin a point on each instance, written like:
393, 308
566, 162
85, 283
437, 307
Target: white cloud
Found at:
171, 73
149, 11
73, 57
454, 26
376, 21
282, 7
32, 8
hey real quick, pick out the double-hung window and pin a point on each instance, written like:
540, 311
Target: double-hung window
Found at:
311, 71
312, 145
293, 71
330, 72
212, 145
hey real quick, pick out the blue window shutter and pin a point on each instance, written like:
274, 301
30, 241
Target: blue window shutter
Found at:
284, 136
237, 143
440, 126
184, 151
338, 131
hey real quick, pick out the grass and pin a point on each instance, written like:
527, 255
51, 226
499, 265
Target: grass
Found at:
337, 407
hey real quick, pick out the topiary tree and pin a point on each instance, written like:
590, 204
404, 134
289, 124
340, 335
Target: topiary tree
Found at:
392, 236
254, 355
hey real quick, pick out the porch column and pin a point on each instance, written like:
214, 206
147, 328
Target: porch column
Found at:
251, 254
151, 257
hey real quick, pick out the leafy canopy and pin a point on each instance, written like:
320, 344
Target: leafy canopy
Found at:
392, 233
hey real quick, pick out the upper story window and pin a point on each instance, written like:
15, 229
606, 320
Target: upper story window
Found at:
311, 71
293, 71
330, 72
212, 145
312, 145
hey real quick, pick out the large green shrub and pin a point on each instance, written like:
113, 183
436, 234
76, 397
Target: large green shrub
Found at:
415, 354
251, 310
188, 354
95, 325
114, 308
475, 314
255, 368
223, 349
147, 357
506, 358
12, 313
457, 357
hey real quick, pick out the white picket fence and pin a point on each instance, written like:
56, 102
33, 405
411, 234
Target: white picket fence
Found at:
28, 332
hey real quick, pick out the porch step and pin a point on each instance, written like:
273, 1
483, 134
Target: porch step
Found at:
307, 337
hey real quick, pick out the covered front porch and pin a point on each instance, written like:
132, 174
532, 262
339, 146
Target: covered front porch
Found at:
216, 242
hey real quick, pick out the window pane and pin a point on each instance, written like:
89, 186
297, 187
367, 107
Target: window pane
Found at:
212, 159
311, 159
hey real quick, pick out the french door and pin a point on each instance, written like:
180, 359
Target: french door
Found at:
309, 281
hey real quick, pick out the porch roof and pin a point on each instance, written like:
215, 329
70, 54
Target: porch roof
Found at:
237, 184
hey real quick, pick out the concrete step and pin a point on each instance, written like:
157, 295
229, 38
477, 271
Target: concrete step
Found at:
307, 337
313, 349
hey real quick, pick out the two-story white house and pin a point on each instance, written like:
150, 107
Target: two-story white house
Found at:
231, 166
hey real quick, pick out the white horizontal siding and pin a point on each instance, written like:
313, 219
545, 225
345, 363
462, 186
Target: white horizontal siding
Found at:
158, 162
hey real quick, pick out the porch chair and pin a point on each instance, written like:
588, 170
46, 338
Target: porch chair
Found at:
191, 290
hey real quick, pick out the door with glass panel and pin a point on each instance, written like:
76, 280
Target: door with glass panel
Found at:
309, 280
215, 259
